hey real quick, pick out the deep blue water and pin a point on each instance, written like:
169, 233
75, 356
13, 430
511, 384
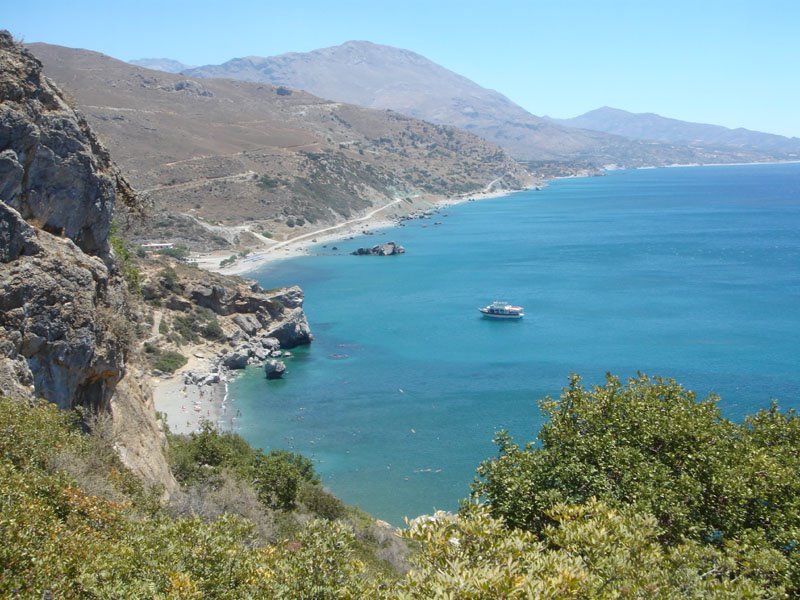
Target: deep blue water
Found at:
691, 273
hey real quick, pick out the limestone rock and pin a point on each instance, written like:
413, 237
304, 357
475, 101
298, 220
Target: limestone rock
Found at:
248, 323
16, 236
274, 369
237, 359
293, 331
53, 169
290, 297
387, 249
67, 325
270, 343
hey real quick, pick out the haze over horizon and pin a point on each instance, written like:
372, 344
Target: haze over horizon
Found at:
723, 63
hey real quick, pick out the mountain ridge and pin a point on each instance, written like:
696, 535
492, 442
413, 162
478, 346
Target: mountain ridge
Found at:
384, 77
653, 126
226, 153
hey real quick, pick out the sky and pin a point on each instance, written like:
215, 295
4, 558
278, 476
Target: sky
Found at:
734, 63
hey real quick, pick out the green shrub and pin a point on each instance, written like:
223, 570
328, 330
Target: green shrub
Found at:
267, 183
169, 361
59, 541
320, 502
276, 476
213, 331
177, 252
186, 327
125, 260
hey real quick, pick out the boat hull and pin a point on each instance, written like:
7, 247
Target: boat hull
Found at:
489, 315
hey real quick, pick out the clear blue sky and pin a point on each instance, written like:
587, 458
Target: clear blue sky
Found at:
734, 63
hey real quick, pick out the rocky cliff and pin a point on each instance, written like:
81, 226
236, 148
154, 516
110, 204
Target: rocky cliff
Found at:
67, 325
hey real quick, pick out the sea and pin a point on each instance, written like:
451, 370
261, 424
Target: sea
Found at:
690, 273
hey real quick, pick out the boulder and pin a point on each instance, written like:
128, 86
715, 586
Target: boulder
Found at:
294, 331
236, 359
247, 323
387, 249
270, 343
291, 297
274, 369
178, 303
17, 238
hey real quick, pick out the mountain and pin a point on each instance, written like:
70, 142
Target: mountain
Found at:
226, 162
167, 65
384, 77
650, 126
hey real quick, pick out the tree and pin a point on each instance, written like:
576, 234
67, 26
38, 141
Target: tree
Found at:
651, 446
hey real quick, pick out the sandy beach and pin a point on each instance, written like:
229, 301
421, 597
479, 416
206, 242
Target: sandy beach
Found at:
383, 217
186, 406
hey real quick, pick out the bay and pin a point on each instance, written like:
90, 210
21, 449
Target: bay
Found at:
690, 273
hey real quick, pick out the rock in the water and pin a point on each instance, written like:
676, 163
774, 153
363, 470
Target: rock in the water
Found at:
274, 369
387, 249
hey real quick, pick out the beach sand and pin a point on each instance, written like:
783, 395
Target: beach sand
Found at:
186, 406
383, 217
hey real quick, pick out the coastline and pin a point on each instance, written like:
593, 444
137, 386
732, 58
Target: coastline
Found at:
384, 217
186, 404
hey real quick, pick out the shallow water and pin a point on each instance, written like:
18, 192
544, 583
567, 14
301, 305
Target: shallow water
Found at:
691, 273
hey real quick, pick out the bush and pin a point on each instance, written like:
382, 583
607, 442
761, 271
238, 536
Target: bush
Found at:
125, 260
651, 446
177, 252
186, 327
267, 183
321, 503
276, 476
213, 331
58, 540
169, 361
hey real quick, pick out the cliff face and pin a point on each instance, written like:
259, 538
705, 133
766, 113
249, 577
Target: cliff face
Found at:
67, 327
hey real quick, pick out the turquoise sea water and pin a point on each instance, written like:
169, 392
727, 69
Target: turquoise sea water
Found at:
691, 273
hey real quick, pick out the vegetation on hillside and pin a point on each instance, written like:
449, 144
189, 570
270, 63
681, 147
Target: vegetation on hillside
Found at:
650, 447
632, 490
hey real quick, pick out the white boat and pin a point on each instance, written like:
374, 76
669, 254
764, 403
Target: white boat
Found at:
502, 310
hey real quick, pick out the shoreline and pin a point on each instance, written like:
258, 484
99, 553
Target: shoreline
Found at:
185, 404
299, 245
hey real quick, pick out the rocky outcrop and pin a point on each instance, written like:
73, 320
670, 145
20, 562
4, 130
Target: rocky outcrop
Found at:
67, 325
53, 170
254, 325
274, 369
387, 249
293, 330
64, 317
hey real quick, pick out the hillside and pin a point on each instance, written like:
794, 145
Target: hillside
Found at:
650, 126
384, 77
223, 153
